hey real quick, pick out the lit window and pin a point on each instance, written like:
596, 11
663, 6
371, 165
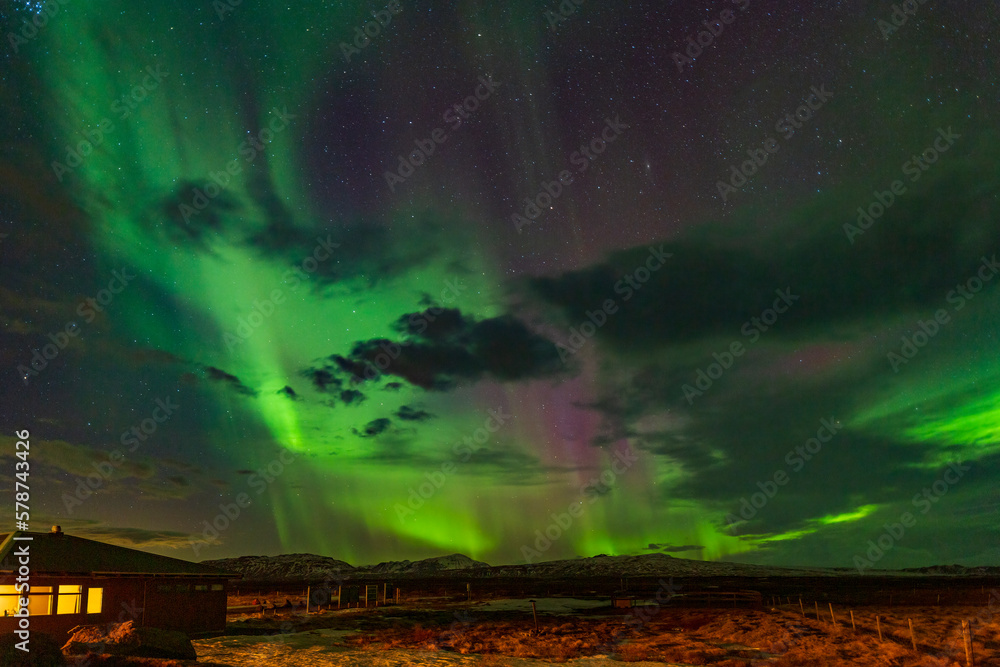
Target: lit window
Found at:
95, 598
69, 599
8, 600
39, 600
216, 587
201, 587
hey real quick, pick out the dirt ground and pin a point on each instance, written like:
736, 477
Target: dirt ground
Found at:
591, 634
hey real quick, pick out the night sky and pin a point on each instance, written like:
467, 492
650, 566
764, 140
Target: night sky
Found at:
496, 270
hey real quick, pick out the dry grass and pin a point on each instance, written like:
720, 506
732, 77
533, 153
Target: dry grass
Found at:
514, 638
717, 637
93, 660
721, 638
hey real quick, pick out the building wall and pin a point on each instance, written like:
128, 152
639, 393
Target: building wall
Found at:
189, 605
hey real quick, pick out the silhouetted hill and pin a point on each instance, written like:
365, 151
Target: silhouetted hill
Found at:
312, 568
428, 566
286, 567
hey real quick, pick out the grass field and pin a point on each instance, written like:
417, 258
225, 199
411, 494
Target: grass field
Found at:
443, 631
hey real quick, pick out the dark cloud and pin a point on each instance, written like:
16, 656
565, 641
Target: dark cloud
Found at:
322, 378
824, 359
905, 263
407, 413
352, 396
132, 537
754, 446
937, 537
730, 446
354, 368
442, 348
202, 225
219, 375
147, 356
373, 428
325, 379
442, 324
289, 392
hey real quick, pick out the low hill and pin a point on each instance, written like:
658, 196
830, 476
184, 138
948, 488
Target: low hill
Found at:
284, 568
311, 568
656, 564
428, 566
956, 570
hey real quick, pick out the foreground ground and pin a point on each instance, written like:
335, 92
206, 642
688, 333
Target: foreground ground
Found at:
588, 633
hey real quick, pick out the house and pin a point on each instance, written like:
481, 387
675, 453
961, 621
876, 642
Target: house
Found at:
74, 581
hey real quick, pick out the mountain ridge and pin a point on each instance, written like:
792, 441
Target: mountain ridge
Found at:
311, 567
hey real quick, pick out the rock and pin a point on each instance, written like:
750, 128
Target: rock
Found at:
128, 640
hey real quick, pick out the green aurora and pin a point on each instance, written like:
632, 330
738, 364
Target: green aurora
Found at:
254, 307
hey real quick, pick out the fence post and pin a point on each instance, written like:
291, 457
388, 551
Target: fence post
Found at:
967, 642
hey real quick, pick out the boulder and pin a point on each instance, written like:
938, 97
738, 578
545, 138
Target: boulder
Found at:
127, 640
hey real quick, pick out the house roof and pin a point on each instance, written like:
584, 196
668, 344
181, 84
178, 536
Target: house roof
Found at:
58, 553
